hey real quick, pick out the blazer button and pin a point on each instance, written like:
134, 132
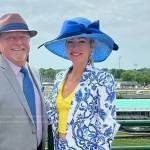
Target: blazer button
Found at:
88, 143
34, 131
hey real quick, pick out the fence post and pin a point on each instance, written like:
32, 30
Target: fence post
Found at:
50, 138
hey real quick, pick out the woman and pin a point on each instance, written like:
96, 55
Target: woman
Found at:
82, 110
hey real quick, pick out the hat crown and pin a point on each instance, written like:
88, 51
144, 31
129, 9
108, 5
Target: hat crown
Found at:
12, 22
78, 26
11, 18
81, 20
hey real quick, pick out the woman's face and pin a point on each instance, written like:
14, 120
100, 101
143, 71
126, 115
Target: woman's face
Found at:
79, 50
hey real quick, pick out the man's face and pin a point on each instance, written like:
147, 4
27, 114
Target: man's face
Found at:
15, 46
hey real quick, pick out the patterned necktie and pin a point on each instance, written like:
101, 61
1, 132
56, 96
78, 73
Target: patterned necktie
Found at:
29, 92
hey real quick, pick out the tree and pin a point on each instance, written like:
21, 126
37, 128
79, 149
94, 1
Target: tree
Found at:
48, 74
128, 76
117, 73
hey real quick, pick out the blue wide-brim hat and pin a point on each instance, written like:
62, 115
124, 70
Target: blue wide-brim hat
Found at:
82, 27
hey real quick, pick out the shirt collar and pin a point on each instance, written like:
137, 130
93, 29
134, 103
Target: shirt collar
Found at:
15, 68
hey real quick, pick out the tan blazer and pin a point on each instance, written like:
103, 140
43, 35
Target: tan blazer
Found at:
17, 129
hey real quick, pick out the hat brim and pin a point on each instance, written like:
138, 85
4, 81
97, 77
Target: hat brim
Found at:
103, 46
32, 33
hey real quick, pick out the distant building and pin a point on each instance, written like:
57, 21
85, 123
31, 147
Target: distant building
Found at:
127, 85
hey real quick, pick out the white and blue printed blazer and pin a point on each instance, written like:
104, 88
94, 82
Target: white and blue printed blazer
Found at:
91, 123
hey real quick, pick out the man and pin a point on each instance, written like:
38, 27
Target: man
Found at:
23, 123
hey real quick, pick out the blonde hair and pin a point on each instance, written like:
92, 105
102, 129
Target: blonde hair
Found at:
90, 60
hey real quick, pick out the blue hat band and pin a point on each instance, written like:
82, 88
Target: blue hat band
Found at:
13, 26
79, 29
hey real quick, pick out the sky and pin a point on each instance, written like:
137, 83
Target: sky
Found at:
127, 22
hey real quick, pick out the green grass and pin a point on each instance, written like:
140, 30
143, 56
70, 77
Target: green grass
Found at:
122, 133
139, 141
132, 142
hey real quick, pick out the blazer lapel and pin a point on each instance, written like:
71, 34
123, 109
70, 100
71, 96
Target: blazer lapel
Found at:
15, 84
79, 93
38, 86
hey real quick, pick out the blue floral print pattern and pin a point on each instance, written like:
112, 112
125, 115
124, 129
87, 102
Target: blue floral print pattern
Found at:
91, 122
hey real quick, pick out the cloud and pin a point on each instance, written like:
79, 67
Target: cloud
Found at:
126, 21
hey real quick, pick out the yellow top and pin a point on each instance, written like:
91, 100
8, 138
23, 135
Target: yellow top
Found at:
63, 105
